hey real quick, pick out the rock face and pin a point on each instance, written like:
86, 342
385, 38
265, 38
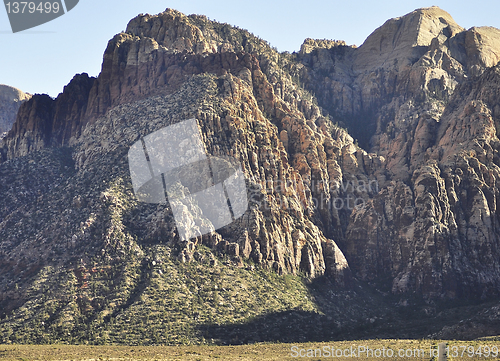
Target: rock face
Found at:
414, 95
10, 101
45, 122
411, 208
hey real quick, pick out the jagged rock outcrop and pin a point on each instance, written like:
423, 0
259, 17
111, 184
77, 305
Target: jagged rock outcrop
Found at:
313, 44
44, 122
399, 81
10, 101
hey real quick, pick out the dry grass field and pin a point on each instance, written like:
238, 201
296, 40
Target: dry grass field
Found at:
401, 350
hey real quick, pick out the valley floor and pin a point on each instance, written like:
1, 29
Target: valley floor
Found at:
360, 350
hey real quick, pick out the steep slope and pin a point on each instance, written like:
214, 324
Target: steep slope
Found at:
10, 101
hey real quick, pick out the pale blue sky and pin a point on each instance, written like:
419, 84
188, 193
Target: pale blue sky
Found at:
44, 59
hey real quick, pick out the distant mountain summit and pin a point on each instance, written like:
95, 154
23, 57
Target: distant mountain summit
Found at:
401, 41
10, 101
372, 174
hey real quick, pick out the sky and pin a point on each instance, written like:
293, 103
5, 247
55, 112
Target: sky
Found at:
44, 59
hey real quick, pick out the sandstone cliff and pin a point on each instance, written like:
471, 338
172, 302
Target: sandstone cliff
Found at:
413, 93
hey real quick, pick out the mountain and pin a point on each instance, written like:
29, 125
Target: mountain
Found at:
371, 176
415, 93
10, 101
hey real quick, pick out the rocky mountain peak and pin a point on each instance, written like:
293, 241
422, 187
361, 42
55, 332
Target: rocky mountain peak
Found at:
10, 100
10, 93
171, 29
402, 41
